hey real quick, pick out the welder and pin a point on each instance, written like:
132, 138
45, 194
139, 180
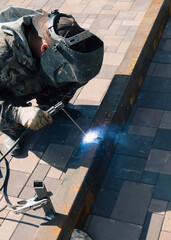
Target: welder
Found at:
43, 56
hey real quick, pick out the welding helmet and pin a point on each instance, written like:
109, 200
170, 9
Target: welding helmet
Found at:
74, 55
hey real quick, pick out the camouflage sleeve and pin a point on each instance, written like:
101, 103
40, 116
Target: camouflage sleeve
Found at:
8, 103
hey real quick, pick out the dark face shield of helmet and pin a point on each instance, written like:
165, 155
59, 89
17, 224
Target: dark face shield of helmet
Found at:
74, 59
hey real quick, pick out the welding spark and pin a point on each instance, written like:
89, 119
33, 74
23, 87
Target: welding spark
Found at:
91, 137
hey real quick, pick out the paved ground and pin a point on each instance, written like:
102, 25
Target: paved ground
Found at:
134, 201
48, 151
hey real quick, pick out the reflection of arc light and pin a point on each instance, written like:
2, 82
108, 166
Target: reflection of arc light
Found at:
91, 137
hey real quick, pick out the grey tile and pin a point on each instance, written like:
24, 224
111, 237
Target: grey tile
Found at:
147, 117
126, 15
163, 139
165, 122
127, 167
27, 192
167, 33
142, 131
151, 227
29, 225
159, 161
105, 228
156, 100
149, 177
139, 5
162, 57
162, 70
164, 44
57, 155
104, 202
52, 184
113, 183
132, 202
103, 21
138, 146
39, 174
157, 84
158, 206
16, 182
162, 189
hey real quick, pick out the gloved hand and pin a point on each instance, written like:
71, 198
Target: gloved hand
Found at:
32, 117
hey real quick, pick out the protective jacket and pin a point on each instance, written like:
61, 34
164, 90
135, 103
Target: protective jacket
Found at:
19, 70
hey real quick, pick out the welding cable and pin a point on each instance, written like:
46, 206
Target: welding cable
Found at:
52, 110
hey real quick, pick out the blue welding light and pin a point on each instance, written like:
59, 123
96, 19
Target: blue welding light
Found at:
92, 137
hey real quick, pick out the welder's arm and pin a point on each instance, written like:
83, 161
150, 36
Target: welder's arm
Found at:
31, 117
12, 109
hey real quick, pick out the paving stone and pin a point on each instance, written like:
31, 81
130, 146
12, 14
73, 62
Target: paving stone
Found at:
162, 57
138, 146
94, 7
156, 100
103, 21
158, 206
121, 6
162, 70
57, 155
52, 185
165, 235
147, 117
126, 15
163, 139
39, 174
76, 8
113, 58
3, 215
164, 44
107, 71
132, 202
16, 182
123, 47
142, 131
24, 163
138, 5
105, 228
113, 41
166, 33
94, 91
139, 16
27, 192
159, 161
165, 122
152, 226
104, 203
149, 177
28, 225
127, 167
151, 69
8, 226
54, 173
162, 189
167, 220
157, 84
113, 183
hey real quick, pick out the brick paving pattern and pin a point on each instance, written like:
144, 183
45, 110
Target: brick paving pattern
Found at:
134, 201
48, 151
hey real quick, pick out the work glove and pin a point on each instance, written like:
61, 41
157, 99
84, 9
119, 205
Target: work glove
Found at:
32, 117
